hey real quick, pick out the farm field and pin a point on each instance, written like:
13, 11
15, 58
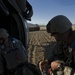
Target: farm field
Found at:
40, 46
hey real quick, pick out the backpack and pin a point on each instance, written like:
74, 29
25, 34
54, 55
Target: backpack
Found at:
15, 60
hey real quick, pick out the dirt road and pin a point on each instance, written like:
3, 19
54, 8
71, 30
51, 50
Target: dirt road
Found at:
40, 45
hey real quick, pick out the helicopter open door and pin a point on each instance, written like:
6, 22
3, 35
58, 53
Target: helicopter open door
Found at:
13, 18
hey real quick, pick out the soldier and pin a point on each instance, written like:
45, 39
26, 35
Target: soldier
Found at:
63, 58
13, 57
12, 52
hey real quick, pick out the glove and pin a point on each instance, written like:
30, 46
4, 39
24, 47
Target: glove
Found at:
57, 65
54, 65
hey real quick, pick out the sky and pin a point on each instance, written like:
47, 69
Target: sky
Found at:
44, 10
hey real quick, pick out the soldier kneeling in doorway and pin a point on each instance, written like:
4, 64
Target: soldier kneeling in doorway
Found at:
13, 57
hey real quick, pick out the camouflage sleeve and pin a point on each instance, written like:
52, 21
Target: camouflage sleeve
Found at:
54, 53
21, 46
57, 53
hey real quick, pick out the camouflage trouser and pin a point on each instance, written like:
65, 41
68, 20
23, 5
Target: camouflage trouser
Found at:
67, 71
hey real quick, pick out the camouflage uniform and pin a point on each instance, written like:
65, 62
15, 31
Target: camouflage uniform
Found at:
13, 57
61, 28
65, 53
12, 54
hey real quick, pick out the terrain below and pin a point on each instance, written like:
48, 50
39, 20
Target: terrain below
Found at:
40, 46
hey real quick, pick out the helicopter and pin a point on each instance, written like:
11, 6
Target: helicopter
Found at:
13, 17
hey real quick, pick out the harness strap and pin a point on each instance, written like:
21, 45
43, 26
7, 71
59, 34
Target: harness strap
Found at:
69, 60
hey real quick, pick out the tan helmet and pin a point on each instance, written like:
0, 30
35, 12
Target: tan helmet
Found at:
59, 24
3, 33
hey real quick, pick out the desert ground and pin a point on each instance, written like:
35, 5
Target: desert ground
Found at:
40, 45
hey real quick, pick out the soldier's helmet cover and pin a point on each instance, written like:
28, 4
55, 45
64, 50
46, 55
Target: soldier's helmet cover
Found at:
59, 24
3, 33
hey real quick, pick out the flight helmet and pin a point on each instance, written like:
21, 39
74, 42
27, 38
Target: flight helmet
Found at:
59, 24
3, 33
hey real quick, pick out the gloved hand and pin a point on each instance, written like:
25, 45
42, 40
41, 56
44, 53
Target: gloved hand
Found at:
55, 65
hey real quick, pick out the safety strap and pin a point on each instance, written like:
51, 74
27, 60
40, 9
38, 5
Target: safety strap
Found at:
69, 60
